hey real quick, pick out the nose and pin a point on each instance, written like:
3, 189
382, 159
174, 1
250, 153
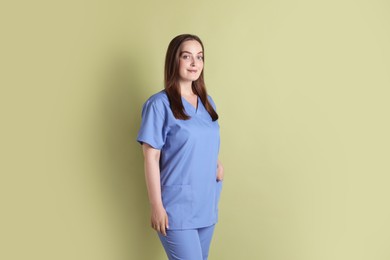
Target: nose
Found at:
192, 62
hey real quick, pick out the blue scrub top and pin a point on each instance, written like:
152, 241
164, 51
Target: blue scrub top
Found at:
188, 160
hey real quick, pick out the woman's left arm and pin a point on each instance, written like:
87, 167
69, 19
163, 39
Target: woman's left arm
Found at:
220, 173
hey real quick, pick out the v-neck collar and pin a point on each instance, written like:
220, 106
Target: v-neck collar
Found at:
187, 104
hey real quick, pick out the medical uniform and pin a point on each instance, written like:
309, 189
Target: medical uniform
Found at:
188, 162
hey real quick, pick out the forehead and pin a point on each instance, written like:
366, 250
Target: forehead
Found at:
191, 46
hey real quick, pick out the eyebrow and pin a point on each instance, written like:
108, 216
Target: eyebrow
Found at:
190, 52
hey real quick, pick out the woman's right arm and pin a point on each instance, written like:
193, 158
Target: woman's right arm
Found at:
159, 217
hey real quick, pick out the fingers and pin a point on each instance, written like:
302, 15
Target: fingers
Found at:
156, 226
220, 172
163, 230
161, 227
220, 175
166, 222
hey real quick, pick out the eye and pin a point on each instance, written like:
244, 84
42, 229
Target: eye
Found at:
200, 57
185, 56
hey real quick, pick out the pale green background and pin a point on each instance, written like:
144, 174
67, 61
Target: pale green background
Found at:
302, 89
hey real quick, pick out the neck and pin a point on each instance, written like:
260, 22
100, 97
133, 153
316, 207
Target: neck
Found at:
186, 88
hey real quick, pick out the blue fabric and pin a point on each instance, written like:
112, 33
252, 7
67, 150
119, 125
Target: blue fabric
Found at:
188, 160
188, 244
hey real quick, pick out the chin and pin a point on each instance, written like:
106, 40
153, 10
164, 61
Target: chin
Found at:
193, 78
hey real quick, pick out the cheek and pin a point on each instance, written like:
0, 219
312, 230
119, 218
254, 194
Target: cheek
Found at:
182, 65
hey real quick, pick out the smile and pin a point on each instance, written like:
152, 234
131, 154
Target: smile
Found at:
193, 71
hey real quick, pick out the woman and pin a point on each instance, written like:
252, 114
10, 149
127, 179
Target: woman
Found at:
180, 140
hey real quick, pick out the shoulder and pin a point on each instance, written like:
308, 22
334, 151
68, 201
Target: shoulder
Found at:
158, 100
156, 103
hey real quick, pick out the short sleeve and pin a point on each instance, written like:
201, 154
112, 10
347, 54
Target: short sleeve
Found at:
152, 130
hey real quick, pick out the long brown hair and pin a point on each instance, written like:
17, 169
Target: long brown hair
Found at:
171, 79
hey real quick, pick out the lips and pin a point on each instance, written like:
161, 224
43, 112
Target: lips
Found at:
193, 71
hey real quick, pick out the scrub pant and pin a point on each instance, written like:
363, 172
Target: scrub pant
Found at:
188, 244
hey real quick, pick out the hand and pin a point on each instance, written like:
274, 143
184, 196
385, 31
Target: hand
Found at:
220, 172
159, 219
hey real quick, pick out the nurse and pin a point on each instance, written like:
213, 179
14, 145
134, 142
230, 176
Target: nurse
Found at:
180, 140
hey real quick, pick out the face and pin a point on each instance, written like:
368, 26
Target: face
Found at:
190, 61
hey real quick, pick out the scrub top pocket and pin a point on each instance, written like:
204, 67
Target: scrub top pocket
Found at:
177, 201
